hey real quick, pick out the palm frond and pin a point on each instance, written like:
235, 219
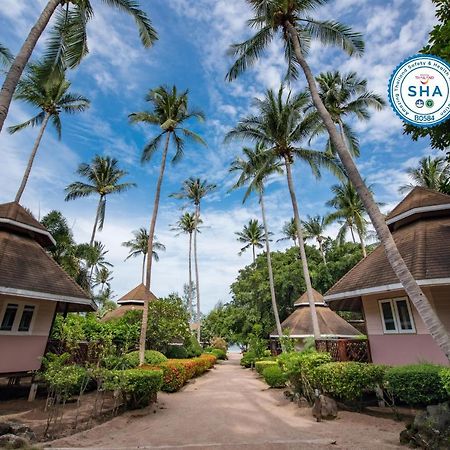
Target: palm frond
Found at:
33, 122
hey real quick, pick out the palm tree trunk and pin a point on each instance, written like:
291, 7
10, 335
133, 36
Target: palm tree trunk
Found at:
143, 266
37, 142
361, 239
321, 250
312, 305
352, 233
197, 282
191, 312
269, 266
419, 300
22, 58
151, 236
254, 254
97, 215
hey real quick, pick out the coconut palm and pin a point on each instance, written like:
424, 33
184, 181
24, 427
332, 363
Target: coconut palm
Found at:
6, 56
345, 96
252, 235
280, 127
67, 44
94, 257
293, 22
187, 224
432, 173
103, 176
289, 231
51, 97
103, 277
170, 111
314, 229
194, 189
139, 246
255, 167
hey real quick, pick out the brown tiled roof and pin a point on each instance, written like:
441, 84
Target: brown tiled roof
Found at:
419, 197
138, 294
27, 270
330, 324
121, 311
424, 245
303, 299
15, 218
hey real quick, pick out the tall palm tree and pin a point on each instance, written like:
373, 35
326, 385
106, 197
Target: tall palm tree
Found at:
139, 246
194, 189
432, 173
292, 20
94, 256
280, 127
103, 176
170, 111
252, 235
289, 232
187, 224
6, 56
103, 277
52, 97
314, 229
255, 167
349, 212
68, 40
344, 96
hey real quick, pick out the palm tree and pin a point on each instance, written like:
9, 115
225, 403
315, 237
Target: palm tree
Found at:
280, 127
187, 224
103, 277
292, 21
432, 173
345, 95
94, 256
289, 232
194, 189
252, 235
103, 176
314, 229
6, 56
68, 40
139, 246
51, 97
256, 166
170, 112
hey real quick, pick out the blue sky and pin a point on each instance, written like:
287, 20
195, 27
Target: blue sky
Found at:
191, 53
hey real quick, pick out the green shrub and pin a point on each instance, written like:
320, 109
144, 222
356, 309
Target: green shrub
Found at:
174, 376
348, 381
114, 362
139, 387
416, 384
193, 348
177, 352
219, 343
151, 357
274, 376
219, 353
444, 375
261, 365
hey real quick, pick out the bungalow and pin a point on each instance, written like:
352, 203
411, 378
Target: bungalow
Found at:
420, 225
33, 288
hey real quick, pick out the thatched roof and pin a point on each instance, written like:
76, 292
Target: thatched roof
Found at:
121, 311
137, 296
421, 232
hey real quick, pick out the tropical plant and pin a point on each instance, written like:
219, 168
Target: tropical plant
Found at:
52, 97
103, 278
103, 176
170, 113
289, 232
67, 44
187, 225
6, 56
344, 96
139, 246
314, 229
291, 20
349, 212
280, 127
256, 166
252, 235
194, 189
432, 173
94, 256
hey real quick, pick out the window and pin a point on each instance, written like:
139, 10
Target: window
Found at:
396, 316
9, 316
27, 316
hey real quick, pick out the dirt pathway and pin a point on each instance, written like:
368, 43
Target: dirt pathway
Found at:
230, 408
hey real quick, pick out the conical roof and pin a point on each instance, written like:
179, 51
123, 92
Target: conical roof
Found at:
303, 299
137, 295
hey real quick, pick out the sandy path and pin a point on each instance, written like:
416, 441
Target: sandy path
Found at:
230, 408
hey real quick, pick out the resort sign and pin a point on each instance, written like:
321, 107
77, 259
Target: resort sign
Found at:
419, 90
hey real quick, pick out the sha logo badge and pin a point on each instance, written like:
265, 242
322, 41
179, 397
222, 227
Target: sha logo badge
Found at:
419, 90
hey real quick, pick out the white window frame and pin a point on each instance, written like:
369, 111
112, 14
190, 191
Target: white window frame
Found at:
15, 328
394, 308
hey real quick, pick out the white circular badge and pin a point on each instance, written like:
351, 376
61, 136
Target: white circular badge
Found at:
419, 90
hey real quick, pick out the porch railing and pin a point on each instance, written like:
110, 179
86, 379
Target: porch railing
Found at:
345, 349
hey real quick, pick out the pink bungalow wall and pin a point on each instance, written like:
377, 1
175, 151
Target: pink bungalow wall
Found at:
398, 349
21, 352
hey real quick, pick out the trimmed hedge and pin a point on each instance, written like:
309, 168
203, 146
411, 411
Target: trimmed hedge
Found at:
444, 375
416, 384
193, 348
151, 357
177, 352
348, 380
261, 365
219, 353
174, 375
274, 376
